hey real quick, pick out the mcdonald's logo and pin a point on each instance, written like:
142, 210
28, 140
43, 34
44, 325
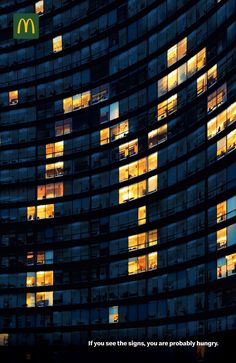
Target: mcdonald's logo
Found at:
25, 26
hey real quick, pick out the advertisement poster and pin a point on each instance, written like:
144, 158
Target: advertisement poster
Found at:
117, 181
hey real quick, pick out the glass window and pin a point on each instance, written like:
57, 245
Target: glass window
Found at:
152, 261
172, 55
221, 212
39, 7
128, 149
67, 104
63, 127
221, 268
13, 97
41, 192
57, 44
231, 140
218, 97
104, 136
4, 339
44, 298
231, 264
31, 215
221, 147
30, 279
192, 66
172, 80
30, 300
45, 211
162, 86
54, 150
221, 238
182, 48
201, 59
152, 184
141, 215
201, 84
212, 76
54, 170
113, 315
44, 278
152, 162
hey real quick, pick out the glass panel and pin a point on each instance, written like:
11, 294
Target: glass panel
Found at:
57, 44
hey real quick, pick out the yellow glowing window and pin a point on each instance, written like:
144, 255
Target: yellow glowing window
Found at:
201, 84
137, 265
57, 44
54, 150
104, 136
182, 48
172, 55
212, 75
133, 170
123, 173
137, 241
85, 99
221, 267
31, 215
231, 264
152, 237
44, 278
13, 97
113, 315
211, 128
39, 7
4, 339
221, 212
142, 166
172, 80
123, 195
221, 147
201, 59
119, 130
192, 66
221, 238
152, 184
30, 258
30, 300
152, 162
167, 107
45, 211
141, 189
231, 140
162, 86
231, 113
152, 138
30, 279
50, 190
41, 192
152, 261
40, 258
141, 215
54, 170
67, 104
128, 149
216, 98
44, 298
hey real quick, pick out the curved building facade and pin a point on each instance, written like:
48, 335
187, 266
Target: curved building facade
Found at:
118, 172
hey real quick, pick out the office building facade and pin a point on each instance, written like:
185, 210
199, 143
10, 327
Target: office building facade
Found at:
118, 172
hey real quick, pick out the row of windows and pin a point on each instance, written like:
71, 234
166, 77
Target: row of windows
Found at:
138, 167
207, 80
39, 278
138, 190
226, 266
221, 121
179, 75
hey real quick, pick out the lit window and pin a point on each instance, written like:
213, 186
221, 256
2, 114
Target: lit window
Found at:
44, 278
142, 240
120, 130
54, 150
211, 128
39, 7
221, 238
157, 136
215, 99
63, 127
13, 98
221, 147
221, 121
57, 44
81, 100
221, 268
201, 59
109, 113
30, 300
167, 107
152, 162
44, 257
104, 136
231, 113
192, 66
128, 149
201, 84
231, 141
30, 258
67, 104
221, 212
30, 279
141, 215
152, 184
44, 298
45, 211
162, 86
212, 76
152, 237
54, 170
4, 339
231, 264
177, 52
113, 315
152, 261
31, 213
172, 80
50, 190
